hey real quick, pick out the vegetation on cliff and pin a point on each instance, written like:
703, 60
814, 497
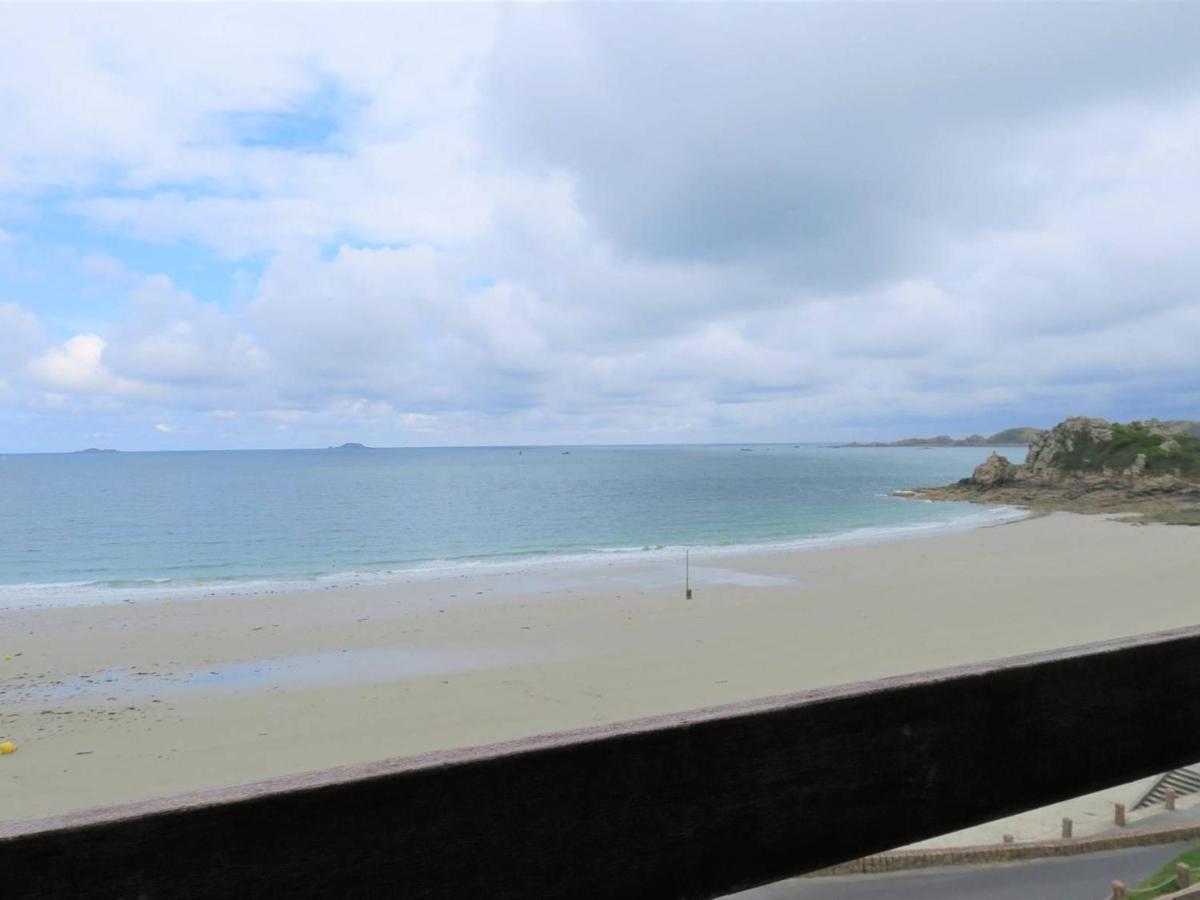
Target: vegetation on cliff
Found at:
1026, 435
1135, 446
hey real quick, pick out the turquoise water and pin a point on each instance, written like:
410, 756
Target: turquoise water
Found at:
99, 522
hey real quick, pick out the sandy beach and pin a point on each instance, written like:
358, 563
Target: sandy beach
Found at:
111, 703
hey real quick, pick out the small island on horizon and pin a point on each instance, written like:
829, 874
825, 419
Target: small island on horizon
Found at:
351, 445
96, 450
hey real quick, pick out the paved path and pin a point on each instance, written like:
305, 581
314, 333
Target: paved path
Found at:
1176, 817
1067, 878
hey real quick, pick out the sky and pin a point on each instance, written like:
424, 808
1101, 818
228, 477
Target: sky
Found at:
292, 226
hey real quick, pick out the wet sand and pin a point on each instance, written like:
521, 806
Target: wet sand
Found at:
120, 702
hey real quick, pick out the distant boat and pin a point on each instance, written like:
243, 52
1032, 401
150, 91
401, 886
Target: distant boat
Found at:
747, 449
566, 453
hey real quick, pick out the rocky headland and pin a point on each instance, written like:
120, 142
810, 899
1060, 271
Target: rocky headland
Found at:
1151, 468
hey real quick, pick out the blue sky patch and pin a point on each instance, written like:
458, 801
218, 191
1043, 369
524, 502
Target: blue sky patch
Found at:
310, 124
46, 271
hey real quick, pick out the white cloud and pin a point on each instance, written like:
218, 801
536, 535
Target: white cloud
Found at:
360, 319
174, 340
637, 222
77, 366
104, 103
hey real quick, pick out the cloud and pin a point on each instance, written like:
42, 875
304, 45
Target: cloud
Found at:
423, 188
354, 317
643, 222
130, 116
397, 325
837, 143
77, 366
173, 340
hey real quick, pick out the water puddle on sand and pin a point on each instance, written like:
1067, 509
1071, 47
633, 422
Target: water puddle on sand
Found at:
644, 575
710, 575
379, 665
372, 666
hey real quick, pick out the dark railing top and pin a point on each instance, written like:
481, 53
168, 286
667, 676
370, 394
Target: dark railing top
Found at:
691, 804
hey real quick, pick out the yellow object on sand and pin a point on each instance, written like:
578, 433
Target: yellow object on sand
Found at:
7, 747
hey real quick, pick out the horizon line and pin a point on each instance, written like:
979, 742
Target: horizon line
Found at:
90, 451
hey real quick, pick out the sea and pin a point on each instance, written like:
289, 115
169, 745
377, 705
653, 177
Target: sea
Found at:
104, 527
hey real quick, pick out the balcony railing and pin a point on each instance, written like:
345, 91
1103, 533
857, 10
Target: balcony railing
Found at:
695, 804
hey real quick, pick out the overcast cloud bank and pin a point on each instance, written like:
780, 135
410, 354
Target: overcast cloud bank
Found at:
293, 226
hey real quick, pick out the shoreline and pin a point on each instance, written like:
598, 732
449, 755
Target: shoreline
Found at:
974, 515
119, 702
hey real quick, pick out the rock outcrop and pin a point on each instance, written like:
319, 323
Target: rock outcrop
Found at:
1049, 449
995, 470
1092, 465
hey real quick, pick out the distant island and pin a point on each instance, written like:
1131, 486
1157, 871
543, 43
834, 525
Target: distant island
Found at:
352, 445
96, 450
1088, 465
1009, 437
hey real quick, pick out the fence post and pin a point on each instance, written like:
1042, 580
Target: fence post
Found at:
1171, 795
1008, 838
1119, 815
1066, 828
1118, 890
1183, 875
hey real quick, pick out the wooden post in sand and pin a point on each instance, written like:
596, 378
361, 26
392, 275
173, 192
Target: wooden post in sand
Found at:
1171, 795
1066, 828
1119, 815
687, 574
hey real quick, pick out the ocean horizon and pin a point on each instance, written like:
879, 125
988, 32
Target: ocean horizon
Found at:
96, 527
